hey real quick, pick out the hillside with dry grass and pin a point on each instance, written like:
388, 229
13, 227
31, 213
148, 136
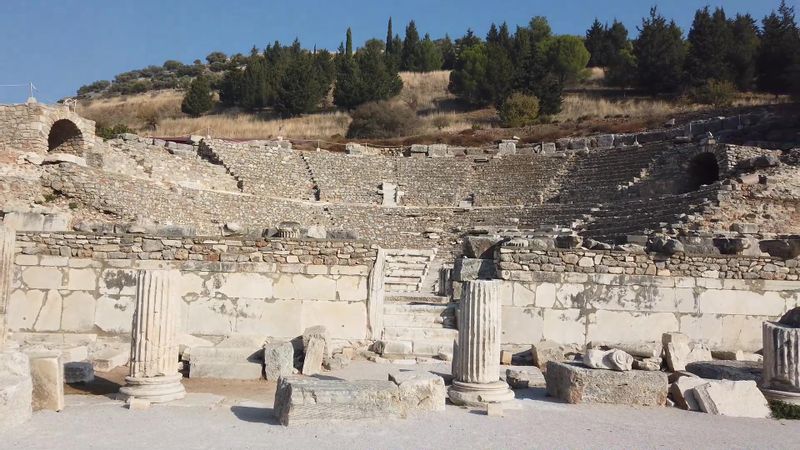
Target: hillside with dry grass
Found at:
442, 117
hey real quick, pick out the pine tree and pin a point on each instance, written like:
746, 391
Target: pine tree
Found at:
199, 98
779, 55
566, 57
255, 86
660, 54
595, 43
430, 56
709, 48
468, 79
448, 51
743, 51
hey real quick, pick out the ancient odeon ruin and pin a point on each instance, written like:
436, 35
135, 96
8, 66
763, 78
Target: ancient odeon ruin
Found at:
612, 238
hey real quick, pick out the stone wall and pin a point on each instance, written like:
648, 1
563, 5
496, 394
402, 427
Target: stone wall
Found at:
26, 127
86, 284
577, 296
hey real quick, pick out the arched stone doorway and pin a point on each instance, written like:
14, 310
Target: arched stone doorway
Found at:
65, 137
703, 170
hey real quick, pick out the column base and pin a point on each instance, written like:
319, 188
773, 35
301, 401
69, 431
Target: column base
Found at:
154, 389
475, 394
792, 398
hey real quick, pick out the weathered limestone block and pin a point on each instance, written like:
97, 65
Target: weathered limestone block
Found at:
231, 363
468, 269
16, 389
302, 401
154, 372
573, 383
320, 332
476, 353
638, 349
546, 351
47, 375
108, 359
315, 353
608, 359
278, 360
523, 377
419, 390
78, 372
680, 351
682, 391
732, 398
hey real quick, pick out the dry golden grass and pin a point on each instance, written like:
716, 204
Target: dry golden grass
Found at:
422, 91
135, 111
245, 126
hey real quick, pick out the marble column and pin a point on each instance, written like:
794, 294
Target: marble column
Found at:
476, 353
154, 372
7, 240
781, 376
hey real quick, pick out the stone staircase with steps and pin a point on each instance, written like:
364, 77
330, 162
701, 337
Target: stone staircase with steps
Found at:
418, 325
406, 269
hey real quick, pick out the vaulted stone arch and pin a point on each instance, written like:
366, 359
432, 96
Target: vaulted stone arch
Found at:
65, 137
703, 170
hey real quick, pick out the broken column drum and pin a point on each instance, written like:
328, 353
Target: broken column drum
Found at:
476, 353
154, 372
781, 376
7, 238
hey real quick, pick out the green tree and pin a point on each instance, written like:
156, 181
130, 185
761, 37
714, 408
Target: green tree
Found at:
660, 54
430, 56
566, 57
199, 98
519, 110
365, 77
595, 43
448, 51
743, 51
468, 79
411, 49
256, 90
230, 89
302, 86
622, 69
709, 43
348, 48
779, 54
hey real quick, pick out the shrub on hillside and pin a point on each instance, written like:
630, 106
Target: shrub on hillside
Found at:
519, 110
717, 93
382, 120
112, 131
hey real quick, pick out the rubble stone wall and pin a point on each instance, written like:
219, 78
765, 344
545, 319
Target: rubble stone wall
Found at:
577, 296
273, 288
26, 127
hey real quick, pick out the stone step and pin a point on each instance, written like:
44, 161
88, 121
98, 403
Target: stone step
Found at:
419, 308
404, 273
406, 266
419, 321
437, 335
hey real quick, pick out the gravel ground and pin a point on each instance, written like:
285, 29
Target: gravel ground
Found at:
205, 421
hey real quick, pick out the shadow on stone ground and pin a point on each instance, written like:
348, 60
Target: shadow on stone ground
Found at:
255, 414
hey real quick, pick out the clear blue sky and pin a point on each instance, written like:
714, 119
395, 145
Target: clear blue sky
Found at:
62, 44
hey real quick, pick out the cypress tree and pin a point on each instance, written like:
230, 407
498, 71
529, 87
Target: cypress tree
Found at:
389, 37
411, 50
348, 49
595, 43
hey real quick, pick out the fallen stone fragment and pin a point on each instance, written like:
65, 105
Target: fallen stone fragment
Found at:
523, 377
494, 409
732, 398
680, 351
726, 370
278, 360
315, 352
608, 359
78, 372
47, 375
335, 362
573, 383
651, 364
546, 351
137, 404
231, 363
110, 358
505, 357
319, 332
420, 390
682, 392
640, 349
15, 389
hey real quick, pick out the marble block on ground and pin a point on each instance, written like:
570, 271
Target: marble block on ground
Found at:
15, 389
575, 383
78, 372
47, 376
732, 398
420, 390
278, 360
230, 363
726, 370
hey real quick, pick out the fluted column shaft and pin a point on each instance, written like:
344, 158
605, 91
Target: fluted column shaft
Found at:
478, 358
154, 348
154, 372
7, 241
781, 357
